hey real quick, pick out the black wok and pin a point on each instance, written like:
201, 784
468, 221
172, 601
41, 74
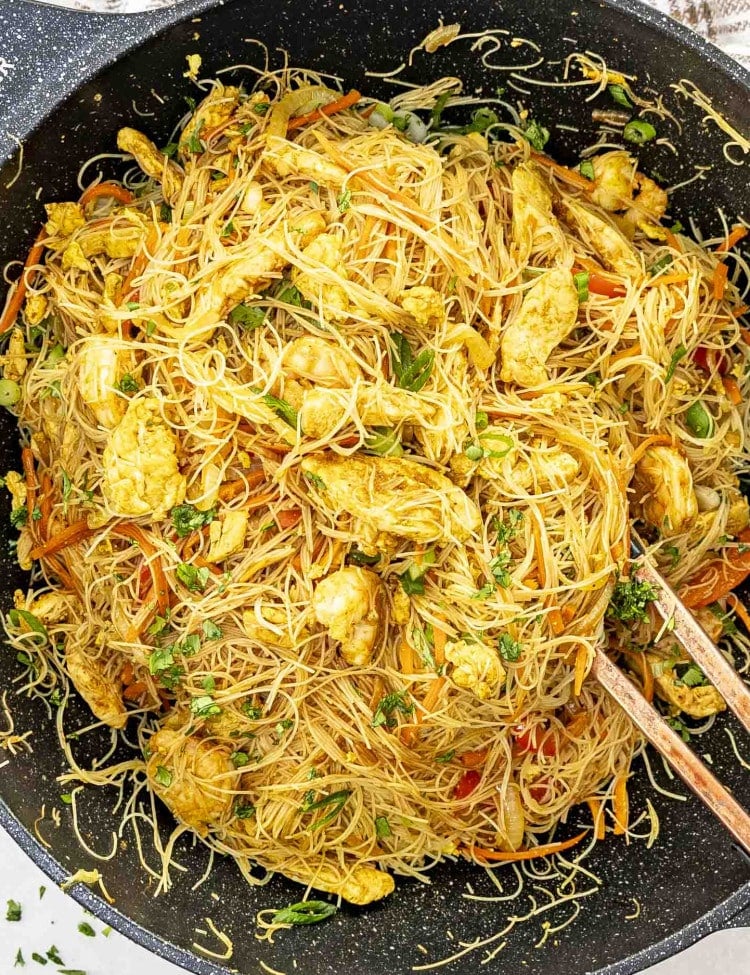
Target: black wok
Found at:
54, 66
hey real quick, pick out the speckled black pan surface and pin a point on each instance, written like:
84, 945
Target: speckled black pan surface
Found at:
693, 880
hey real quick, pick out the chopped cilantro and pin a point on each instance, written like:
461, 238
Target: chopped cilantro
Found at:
344, 201
586, 169
192, 577
247, 316
211, 631
85, 928
186, 518
163, 776
619, 95
446, 757
128, 384
630, 599
382, 827
536, 134
411, 372
388, 705
508, 648
14, 911
304, 912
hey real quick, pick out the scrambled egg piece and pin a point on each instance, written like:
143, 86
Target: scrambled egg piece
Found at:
110, 297
141, 475
290, 159
17, 487
215, 109
698, 702
379, 404
394, 495
738, 516
424, 304
475, 666
607, 242
14, 360
326, 251
533, 219
97, 690
400, 607
226, 535
547, 315
35, 309
362, 885
153, 162
73, 257
350, 603
320, 362
63, 219
102, 362
664, 485
200, 776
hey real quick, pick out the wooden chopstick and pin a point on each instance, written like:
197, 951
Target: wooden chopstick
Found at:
687, 765
694, 639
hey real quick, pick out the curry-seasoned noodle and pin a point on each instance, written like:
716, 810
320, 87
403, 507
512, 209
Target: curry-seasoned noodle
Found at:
334, 424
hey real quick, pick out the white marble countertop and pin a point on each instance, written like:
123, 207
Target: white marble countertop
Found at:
53, 921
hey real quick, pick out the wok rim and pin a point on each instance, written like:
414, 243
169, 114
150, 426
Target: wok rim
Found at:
150, 25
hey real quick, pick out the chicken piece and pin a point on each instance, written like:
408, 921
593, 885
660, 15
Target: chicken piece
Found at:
614, 180
14, 360
17, 487
200, 775
73, 257
252, 198
216, 108
395, 496
664, 486
475, 666
376, 405
108, 321
141, 475
362, 885
609, 245
102, 362
35, 309
698, 702
120, 238
290, 159
349, 603
97, 690
331, 297
738, 516
547, 315
252, 273
153, 162
320, 362
50, 607
226, 535
276, 620
424, 304
63, 219
533, 221
618, 187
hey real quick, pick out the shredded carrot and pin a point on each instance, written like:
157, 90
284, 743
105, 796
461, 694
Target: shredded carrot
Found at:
137, 534
230, 489
363, 243
568, 612
569, 174
317, 549
138, 265
406, 658
621, 805
473, 759
367, 112
577, 724
346, 101
114, 190
261, 500
581, 668
670, 279
717, 578
439, 639
45, 505
738, 312
556, 622
632, 350
734, 236
128, 673
739, 608
595, 805
648, 681
13, 305
205, 564
656, 440
27, 459
720, 280
672, 240
135, 691
74, 533
538, 851
732, 389
410, 733
289, 517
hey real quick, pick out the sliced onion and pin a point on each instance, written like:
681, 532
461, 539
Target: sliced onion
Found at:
297, 102
512, 816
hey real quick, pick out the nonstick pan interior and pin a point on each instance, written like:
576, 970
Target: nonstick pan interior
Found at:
692, 880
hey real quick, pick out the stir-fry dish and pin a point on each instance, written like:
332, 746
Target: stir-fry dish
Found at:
336, 416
